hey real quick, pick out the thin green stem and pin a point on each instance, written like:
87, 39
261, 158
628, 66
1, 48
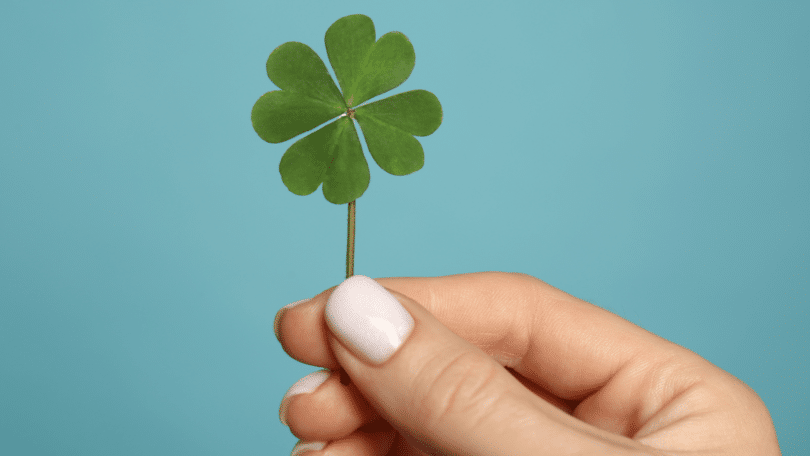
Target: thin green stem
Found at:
350, 245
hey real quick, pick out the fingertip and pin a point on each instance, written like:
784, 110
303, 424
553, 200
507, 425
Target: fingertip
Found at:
303, 447
280, 314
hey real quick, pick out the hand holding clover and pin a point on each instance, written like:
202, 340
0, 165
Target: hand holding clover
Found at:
428, 367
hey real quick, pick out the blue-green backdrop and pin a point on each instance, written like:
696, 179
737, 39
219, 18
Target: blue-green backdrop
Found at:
649, 157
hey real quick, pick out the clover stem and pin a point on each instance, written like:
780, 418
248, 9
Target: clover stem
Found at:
350, 245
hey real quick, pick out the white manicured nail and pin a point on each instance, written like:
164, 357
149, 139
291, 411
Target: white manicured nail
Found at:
368, 319
281, 311
307, 384
302, 446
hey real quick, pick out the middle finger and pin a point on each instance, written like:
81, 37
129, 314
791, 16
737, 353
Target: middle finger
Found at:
333, 411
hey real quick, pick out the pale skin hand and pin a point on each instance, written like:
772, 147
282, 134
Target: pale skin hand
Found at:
590, 370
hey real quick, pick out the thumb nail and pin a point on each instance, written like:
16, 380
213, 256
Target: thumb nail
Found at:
367, 319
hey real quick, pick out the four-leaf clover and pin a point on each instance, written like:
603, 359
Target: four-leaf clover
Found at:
365, 68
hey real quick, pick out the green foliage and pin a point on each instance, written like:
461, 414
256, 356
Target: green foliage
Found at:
365, 68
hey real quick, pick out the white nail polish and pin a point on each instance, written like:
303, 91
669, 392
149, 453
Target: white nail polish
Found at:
368, 319
303, 446
278, 314
307, 384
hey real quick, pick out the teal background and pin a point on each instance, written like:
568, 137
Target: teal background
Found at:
649, 157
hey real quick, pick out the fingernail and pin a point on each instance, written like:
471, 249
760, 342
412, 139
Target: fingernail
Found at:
281, 311
368, 319
303, 446
307, 384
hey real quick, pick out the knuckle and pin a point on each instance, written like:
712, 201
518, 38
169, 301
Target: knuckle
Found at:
457, 387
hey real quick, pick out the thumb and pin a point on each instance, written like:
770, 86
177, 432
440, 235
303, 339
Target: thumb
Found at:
445, 395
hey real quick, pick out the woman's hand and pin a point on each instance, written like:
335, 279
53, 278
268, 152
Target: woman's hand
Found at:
504, 364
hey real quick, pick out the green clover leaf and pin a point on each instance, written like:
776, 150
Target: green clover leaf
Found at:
364, 68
